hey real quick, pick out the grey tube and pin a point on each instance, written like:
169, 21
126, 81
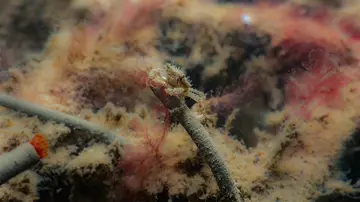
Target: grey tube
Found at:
58, 117
16, 161
205, 144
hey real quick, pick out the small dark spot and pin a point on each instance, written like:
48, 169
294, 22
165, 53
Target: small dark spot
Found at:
323, 119
118, 117
191, 166
259, 189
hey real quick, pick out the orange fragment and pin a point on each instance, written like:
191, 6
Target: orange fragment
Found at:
41, 145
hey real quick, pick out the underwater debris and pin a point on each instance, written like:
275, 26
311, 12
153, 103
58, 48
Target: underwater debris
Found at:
22, 158
47, 114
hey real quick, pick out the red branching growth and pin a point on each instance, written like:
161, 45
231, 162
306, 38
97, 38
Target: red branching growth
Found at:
312, 50
140, 160
317, 14
140, 78
295, 54
132, 15
349, 27
41, 145
315, 80
240, 95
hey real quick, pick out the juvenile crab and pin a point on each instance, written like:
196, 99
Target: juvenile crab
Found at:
175, 82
